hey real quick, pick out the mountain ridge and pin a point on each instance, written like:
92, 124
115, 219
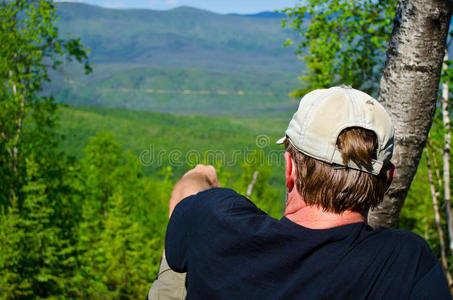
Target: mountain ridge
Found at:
138, 50
260, 14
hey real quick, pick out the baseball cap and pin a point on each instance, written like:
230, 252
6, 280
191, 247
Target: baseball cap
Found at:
323, 114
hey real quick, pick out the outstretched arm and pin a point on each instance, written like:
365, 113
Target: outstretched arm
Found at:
194, 181
170, 285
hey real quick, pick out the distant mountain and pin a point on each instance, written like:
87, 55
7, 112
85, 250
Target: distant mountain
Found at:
244, 51
179, 37
264, 14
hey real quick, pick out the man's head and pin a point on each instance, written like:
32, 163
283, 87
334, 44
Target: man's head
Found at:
339, 144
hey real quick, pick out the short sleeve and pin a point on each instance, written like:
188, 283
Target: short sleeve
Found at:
195, 220
176, 241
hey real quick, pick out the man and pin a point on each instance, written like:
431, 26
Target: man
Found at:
338, 149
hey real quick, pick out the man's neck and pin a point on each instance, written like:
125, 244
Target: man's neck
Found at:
314, 217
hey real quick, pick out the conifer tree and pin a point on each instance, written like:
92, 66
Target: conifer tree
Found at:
37, 260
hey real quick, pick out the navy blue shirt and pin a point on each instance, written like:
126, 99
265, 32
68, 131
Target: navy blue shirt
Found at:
230, 249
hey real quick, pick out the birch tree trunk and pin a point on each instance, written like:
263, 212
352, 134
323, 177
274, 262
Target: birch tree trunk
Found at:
437, 218
446, 154
408, 89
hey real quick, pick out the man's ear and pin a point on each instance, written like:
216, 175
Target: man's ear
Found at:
290, 171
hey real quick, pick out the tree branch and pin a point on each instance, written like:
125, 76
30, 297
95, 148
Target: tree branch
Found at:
252, 184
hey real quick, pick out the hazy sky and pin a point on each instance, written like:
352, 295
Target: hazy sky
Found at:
219, 6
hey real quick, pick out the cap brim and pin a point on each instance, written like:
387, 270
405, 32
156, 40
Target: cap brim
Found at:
281, 141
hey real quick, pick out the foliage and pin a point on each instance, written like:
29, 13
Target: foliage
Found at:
119, 248
29, 45
156, 137
37, 205
263, 195
342, 42
38, 258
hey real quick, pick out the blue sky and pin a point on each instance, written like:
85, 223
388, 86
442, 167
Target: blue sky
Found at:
219, 6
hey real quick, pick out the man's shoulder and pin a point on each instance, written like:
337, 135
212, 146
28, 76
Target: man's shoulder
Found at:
219, 191
406, 246
217, 196
429, 281
214, 193
404, 238
216, 201
402, 241
395, 253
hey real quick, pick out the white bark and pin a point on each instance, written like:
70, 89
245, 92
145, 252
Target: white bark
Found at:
252, 184
446, 154
436, 165
14, 149
408, 89
438, 221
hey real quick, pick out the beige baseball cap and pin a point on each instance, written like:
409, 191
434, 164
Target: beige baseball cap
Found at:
323, 114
